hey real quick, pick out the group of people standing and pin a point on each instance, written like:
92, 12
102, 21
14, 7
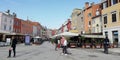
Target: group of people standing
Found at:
61, 42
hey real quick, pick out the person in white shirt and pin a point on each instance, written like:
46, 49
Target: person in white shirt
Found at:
65, 46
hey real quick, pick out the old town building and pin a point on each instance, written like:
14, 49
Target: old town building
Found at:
111, 20
89, 13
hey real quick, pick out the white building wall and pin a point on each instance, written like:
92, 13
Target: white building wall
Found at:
95, 21
0, 19
7, 19
110, 36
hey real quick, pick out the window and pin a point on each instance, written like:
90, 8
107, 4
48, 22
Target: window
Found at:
10, 21
17, 23
81, 17
10, 28
104, 5
5, 20
115, 36
89, 22
93, 21
114, 2
14, 30
4, 27
106, 33
105, 19
113, 17
89, 15
93, 30
97, 12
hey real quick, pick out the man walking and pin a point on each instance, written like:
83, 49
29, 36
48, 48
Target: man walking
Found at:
106, 44
56, 43
13, 46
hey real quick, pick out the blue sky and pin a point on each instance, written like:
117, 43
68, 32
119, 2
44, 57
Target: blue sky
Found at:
50, 13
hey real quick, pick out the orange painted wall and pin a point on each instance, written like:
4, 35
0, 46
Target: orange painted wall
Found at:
91, 9
87, 19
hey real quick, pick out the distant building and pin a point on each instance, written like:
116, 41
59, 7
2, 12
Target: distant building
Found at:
68, 25
26, 27
37, 29
6, 25
74, 21
17, 25
49, 33
6, 22
80, 22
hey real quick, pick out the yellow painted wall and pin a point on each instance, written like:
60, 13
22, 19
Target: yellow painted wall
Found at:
108, 11
74, 19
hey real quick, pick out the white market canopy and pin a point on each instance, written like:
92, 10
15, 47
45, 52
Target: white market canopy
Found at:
66, 34
69, 34
37, 37
94, 36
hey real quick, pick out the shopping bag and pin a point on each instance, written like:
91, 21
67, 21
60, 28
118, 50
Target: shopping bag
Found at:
58, 45
10, 48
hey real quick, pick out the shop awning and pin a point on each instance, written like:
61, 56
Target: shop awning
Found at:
93, 36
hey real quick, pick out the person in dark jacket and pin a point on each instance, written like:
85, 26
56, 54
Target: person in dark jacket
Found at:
13, 46
56, 43
106, 44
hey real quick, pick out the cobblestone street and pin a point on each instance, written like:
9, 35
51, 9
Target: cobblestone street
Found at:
46, 52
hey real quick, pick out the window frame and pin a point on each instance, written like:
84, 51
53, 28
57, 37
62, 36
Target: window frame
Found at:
5, 26
114, 17
105, 20
113, 2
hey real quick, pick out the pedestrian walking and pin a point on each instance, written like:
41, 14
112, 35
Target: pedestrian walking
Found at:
58, 46
13, 47
56, 43
106, 44
64, 45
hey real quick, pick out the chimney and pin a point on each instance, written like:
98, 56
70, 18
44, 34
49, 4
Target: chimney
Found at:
86, 5
14, 14
92, 3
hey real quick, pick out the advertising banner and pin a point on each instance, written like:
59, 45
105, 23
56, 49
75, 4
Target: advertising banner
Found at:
27, 40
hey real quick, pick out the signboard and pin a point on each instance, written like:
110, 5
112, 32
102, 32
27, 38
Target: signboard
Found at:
27, 40
8, 40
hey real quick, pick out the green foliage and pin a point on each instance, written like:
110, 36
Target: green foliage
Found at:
52, 40
82, 37
69, 41
98, 41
